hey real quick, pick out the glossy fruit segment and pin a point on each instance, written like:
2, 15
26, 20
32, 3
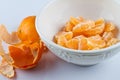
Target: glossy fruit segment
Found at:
82, 34
96, 42
62, 37
73, 21
84, 28
69, 26
72, 43
109, 27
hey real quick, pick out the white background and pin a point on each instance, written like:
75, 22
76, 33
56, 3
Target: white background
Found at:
51, 67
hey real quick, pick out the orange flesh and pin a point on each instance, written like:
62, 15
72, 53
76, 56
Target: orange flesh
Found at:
87, 34
72, 44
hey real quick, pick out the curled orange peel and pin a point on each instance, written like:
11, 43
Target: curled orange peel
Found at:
23, 54
7, 37
6, 67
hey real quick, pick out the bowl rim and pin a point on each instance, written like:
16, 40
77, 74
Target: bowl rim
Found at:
43, 38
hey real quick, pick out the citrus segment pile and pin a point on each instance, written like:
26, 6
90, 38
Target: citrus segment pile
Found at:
83, 34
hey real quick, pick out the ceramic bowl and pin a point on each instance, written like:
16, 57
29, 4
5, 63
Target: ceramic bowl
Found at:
56, 13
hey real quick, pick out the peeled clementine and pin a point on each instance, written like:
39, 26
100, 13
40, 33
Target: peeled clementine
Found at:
83, 27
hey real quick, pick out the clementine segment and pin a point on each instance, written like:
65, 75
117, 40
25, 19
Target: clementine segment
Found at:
68, 26
61, 41
107, 36
83, 44
72, 43
73, 21
109, 27
67, 35
96, 42
82, 27
112, 42
62, 37
98, 29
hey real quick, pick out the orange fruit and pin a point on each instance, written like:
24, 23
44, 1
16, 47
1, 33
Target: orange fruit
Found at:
83, 44
61, 41
27, 30
90, 43
73, 21
81, 34
67, 35
98, 29
107, 36
76, 21
96, 42
99, 21
69, 26
115, 32
112, 41
109, 27
62, 37
83, 28
72, 43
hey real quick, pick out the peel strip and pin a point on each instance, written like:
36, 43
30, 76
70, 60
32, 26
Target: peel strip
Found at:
7, 37
5, 66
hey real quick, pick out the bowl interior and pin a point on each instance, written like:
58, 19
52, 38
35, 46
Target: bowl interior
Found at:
54, 16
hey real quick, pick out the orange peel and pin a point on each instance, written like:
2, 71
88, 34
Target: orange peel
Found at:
7, 37
6, 69
30, 55
27, 30
25, 47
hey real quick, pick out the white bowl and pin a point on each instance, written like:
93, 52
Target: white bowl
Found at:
56, 14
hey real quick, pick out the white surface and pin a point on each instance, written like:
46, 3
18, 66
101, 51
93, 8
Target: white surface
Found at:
51, 67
